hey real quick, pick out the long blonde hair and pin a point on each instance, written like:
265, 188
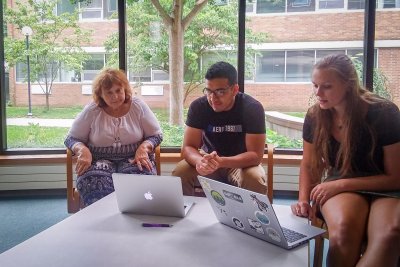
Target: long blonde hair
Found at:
353, 121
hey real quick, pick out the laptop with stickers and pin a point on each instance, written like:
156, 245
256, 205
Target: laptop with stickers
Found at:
150, 195
253, 214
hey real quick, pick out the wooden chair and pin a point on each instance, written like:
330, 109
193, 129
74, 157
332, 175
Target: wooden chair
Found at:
73, 199
319, 242
198, 190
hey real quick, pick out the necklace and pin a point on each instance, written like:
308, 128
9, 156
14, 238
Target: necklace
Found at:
117, 139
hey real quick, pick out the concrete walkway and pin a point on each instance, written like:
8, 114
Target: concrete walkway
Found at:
42, 122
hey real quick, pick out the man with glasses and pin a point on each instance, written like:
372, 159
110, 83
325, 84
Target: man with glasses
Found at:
224, 136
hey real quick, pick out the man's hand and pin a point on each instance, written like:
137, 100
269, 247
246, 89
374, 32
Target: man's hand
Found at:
208, 164
84, 159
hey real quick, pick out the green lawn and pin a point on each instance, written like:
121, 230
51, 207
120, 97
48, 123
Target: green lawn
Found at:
41, 112
33, 136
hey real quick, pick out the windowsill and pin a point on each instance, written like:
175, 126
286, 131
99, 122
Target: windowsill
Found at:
165, 158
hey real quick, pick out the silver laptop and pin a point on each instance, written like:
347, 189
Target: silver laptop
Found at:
253, 214
150, 195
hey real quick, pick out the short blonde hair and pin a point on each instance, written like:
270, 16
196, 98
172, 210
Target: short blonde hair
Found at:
106, 79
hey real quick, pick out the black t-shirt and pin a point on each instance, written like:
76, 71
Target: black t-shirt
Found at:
384, 120
224, 132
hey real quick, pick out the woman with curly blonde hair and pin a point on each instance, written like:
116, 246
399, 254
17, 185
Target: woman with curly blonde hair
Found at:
114, 133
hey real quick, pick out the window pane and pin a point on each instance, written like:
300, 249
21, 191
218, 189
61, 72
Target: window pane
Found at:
65, 6
299, 65
356, 4
323, 53
388, 4
331, 4
153, 57
56, 90
270, 6
271, 67
300, 5
285, 60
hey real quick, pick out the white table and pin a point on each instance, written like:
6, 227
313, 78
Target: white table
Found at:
101, 236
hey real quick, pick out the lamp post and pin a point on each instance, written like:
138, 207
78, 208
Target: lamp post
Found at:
27, 31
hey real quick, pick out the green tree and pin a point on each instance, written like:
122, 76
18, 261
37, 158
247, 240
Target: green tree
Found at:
380, 83
174, 35
56, 41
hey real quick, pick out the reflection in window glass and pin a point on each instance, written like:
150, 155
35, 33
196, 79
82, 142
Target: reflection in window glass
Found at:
331, 4
356, 4
21, 72
299, 65
65, 6
92, 9
92, 66
60, 72
271, 6
140, 76
300, 5
271, 67
323, 53
388, 4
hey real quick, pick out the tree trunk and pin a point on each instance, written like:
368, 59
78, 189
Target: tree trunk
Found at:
47, 99
176, 40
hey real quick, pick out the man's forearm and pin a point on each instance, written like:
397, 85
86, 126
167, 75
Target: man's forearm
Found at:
191, 155
243, 160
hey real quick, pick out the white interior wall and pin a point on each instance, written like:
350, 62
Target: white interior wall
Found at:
53, 176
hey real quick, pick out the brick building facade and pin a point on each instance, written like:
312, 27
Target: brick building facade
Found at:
310, 31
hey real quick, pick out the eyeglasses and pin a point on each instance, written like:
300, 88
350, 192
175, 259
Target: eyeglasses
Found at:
217, 92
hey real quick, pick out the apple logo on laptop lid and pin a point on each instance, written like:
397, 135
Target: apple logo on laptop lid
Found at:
148, 195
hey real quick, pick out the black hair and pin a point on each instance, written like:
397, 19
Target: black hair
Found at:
222, 70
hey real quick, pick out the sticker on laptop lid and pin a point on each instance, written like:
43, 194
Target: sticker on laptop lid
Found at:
222, 211
233, 196
238, 223
205, 185
256, 226
218, 198
262, 206
273, 234
261, 217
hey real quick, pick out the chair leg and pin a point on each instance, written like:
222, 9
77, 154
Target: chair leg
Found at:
318, 251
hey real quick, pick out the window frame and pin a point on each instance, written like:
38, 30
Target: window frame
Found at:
368, 68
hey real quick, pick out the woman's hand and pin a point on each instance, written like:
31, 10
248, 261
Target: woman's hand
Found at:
303, 209
142, 157
324, 191
84, 159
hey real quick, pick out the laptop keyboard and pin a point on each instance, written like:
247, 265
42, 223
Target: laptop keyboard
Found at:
292, 236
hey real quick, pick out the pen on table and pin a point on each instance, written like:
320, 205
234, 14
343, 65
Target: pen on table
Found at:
156, 225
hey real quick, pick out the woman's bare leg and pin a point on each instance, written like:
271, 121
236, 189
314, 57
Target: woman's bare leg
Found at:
383, 234
346, 217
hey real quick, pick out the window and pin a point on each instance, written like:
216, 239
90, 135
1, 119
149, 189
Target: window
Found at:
65, 6
270, 67
140, 77
91, 10
388, 4
271, 6
277, 71
299, 65
300, 5
323, 53
331, 4
356, 4
93, 66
